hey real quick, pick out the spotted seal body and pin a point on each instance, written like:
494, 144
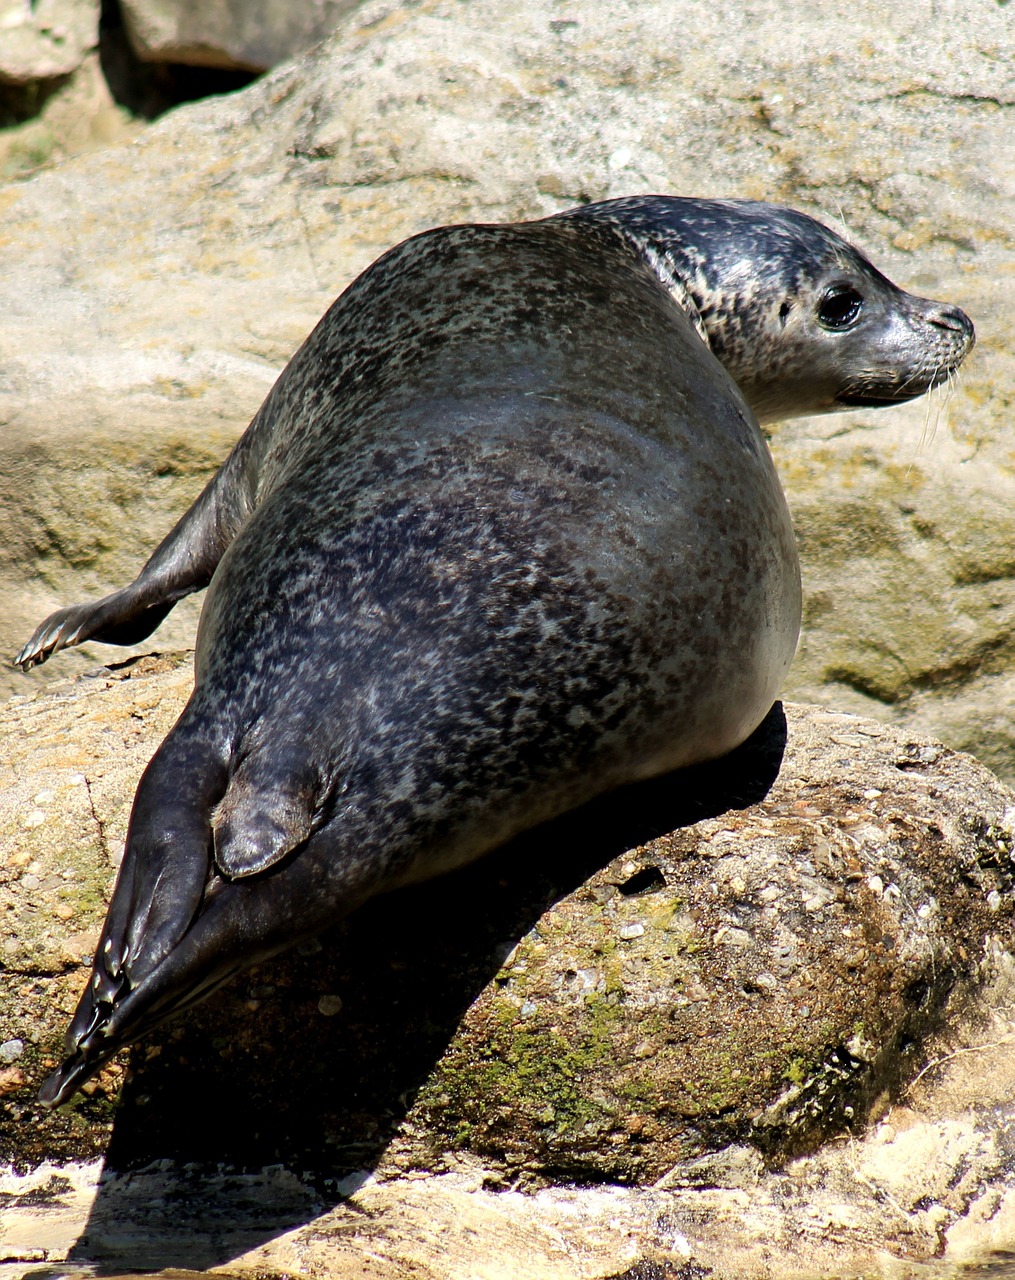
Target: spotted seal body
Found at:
505, 534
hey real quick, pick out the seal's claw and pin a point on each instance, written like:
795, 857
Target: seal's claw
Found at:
61, 630
86, 1046
124, 617
89, 1043
66, 1079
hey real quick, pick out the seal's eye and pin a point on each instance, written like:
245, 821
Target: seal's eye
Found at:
839, 308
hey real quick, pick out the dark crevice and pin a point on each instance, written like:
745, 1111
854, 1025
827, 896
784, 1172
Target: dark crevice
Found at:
149, 89
22, 102
647, 880
100, 827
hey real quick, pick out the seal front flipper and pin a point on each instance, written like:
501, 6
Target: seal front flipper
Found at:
182, 563
115, 619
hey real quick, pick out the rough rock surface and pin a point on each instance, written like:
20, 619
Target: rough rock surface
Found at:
229, 33
618, 998
45, 39
144, 330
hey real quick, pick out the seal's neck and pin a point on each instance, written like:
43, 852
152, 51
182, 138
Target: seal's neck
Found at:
672, 281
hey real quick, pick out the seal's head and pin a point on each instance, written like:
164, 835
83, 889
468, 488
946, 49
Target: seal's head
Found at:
803, 323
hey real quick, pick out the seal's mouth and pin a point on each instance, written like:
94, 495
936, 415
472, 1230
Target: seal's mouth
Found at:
947, 338
862, 400
872, 393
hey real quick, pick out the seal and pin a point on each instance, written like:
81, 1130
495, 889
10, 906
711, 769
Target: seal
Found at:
504, 534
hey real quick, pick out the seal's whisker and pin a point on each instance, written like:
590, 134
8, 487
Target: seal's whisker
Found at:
937, 399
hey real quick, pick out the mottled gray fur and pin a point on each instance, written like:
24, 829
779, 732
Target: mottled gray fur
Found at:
505, 534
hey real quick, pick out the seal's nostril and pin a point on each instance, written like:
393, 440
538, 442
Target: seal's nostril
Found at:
953, 320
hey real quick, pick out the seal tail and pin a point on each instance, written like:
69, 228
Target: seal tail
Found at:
270, 808
159, 890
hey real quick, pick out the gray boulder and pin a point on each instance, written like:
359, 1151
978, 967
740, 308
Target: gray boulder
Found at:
229, 33
41, 42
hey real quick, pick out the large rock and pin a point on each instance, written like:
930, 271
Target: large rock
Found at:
600, 1004
151, 293
229, 33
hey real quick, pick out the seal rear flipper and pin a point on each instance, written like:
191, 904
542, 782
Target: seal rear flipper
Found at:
240, 924
166, 863
159, 891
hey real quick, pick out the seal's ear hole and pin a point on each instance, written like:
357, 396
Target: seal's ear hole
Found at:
840, 307
784, 311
